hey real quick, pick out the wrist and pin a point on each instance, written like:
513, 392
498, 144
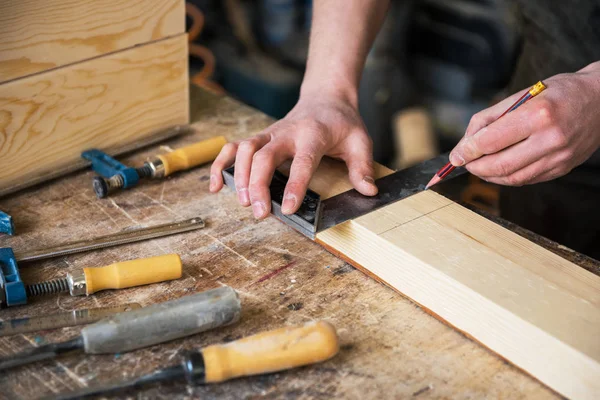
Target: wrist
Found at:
326, 88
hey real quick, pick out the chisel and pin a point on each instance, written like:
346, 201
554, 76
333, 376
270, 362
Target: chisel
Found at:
145, 327
266, 352
63, 319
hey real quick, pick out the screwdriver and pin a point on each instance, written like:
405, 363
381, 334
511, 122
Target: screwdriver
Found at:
119, 275
145, 327
164, 165
266, 352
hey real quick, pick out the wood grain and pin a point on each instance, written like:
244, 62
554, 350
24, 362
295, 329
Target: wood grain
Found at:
48, 119
533, 308
331, 177
39, 35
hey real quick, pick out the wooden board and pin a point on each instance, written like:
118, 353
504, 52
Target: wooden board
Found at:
533, 308
39, 35
48, 119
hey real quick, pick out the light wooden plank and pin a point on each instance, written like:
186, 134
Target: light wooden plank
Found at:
331, 177
530, 306
39, 35
48, 119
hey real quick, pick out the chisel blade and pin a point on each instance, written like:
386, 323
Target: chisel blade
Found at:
61, 320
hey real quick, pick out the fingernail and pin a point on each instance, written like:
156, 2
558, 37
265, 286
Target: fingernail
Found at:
259, 209
369, 180
213, 183
456, 159
243, 196
289, 203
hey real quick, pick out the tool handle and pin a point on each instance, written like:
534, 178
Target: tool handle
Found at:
192, 155
271, 351
163, 322
133, 273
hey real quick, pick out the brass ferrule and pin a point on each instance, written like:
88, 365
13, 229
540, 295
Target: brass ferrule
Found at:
537, 88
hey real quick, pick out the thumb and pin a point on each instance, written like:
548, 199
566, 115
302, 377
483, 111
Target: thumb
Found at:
359, 160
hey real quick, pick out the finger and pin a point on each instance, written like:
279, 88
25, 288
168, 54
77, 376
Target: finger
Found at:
549, 176
485, 117
263, 166
359, 160
544, 169
511, 129
224, 160
510, 160
243, 163
303, 167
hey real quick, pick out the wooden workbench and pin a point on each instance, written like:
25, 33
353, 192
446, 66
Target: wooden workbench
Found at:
390, 347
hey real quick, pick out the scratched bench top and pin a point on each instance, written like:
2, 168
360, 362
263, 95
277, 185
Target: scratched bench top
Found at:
390, 347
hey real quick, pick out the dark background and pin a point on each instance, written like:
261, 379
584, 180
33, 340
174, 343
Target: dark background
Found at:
447, 59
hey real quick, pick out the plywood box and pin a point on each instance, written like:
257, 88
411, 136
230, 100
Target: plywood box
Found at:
38, 35
49, 118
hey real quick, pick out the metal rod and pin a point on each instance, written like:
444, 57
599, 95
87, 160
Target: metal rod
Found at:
41, 353
60, 320
167, 374
112, 240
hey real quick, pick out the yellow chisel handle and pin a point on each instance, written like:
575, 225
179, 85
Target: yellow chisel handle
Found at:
133, 273
192, 155
271, 351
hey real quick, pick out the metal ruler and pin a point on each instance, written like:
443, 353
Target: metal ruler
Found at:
61, 320
116, 239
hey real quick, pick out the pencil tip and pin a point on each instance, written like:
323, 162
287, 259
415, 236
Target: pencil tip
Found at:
433, 181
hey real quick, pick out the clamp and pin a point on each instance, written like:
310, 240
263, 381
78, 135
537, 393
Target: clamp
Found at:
115, 175
109, 168
14, 292
12, 288
6, 224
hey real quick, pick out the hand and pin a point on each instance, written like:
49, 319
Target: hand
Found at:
318, 125
543, 139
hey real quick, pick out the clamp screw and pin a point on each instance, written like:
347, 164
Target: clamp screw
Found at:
49, 287
103, 186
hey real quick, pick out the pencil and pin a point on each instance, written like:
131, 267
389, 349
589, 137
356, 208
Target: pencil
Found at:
448, 168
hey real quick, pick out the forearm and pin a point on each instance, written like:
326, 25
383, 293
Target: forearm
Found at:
341, 35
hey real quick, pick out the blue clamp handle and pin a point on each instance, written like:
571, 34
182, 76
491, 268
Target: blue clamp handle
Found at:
11, 286
6, 224
108, 167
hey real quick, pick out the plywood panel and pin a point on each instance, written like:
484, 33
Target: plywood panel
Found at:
38, 35
48, 119
533, 308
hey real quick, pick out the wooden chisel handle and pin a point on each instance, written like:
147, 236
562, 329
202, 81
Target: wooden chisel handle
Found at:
271, 351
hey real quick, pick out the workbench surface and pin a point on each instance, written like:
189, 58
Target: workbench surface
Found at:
390, 347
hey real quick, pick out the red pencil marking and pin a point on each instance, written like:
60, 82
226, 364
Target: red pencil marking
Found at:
274, 273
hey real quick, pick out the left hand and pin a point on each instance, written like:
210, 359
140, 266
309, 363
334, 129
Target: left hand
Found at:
543, 139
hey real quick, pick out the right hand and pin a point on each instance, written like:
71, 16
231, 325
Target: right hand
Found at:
318, 126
